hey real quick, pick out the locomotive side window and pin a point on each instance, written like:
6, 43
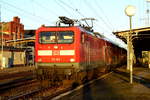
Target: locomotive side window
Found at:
56, 37
82, 38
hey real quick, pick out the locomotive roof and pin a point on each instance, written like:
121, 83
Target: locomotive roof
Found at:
98, 35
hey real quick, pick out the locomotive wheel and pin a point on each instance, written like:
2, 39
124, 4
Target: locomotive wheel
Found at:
95, 73
108, 69
80, 78
74, 84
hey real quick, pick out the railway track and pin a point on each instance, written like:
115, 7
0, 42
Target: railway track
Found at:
26, 95
24, 87
12, 90
28, 88
45, 93
11, 84
15, 83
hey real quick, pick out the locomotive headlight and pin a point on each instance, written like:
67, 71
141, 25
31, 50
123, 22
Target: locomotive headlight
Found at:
72, 60
55, 47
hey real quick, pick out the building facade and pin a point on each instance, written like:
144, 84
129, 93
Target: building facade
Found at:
12, 30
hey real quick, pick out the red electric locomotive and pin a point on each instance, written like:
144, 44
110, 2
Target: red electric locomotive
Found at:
73, 53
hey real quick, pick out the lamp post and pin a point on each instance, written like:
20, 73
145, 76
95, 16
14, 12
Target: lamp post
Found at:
130, 11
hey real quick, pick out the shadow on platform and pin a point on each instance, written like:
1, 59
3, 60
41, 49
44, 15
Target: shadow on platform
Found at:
142, 80
105, 90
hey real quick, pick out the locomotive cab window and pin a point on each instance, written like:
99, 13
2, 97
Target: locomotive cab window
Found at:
47, 37
56, 37
65, 37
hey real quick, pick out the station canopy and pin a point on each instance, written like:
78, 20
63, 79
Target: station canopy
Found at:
140, 38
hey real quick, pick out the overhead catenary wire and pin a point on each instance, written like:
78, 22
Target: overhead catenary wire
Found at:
64, 8
33, 15
105, 16
24, 11
76, 10
42, 6
95, 12
83, 14
27, 16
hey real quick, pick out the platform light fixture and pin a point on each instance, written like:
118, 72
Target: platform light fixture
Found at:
130, 11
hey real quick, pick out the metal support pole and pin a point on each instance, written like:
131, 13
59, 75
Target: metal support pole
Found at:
131, 64
130, 11
130, 51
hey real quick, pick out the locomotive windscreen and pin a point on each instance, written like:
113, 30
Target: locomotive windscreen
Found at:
56, 37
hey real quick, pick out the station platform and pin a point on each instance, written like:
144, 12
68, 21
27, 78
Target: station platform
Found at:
14, 73
12, 70
114, 86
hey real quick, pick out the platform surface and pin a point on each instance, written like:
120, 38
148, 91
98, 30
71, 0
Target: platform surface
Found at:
116, 86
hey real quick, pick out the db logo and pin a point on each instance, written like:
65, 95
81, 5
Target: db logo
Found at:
56, 52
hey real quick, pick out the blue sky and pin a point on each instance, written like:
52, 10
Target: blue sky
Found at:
109, 14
